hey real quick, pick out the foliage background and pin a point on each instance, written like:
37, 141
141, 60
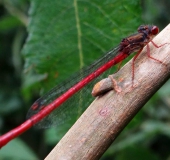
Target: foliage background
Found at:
39, 48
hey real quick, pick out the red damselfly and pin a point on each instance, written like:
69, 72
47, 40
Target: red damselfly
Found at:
53, 101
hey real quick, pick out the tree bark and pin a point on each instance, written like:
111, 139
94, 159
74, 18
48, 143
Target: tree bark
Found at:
108, 115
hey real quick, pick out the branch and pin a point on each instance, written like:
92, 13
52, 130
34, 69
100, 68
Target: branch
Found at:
108, 115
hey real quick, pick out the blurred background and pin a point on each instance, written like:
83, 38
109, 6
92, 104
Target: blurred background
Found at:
35, 37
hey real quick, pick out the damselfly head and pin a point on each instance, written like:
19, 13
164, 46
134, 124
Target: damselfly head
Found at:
148, 29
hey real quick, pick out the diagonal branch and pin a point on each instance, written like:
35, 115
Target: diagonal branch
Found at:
108, 115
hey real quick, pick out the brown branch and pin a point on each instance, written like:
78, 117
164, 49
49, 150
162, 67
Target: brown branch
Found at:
108, 115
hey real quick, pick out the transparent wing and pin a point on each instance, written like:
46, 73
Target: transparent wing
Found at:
75, 105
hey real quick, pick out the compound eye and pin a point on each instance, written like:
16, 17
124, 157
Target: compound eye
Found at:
155, 30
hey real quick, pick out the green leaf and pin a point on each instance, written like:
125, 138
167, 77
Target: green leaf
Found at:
136, 152
66, 35
8, 22
17, 150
